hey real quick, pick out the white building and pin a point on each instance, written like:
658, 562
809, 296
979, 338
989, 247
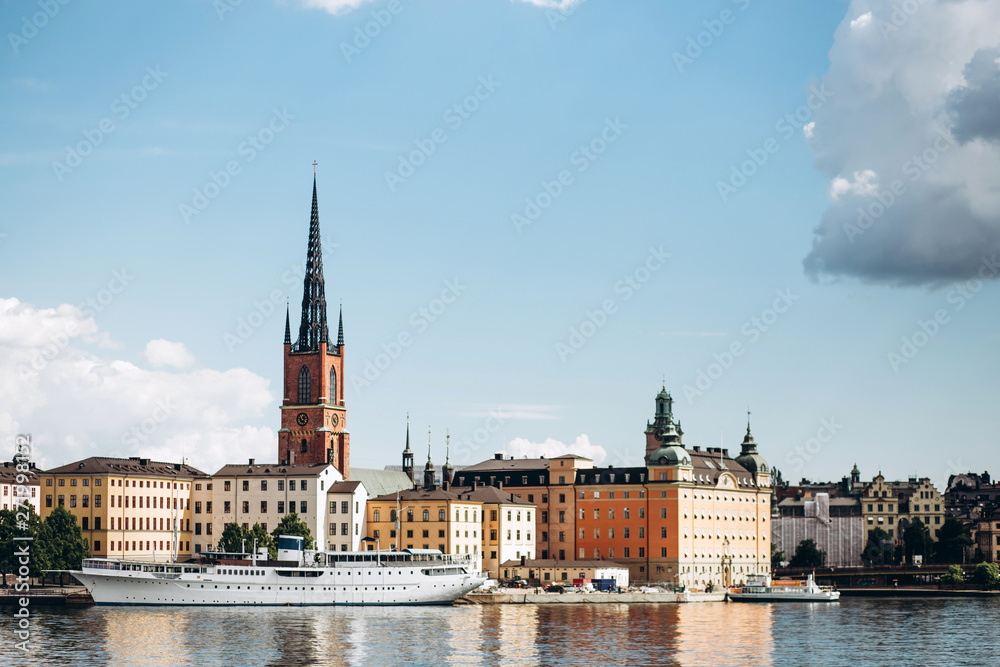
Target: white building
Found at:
346, 516
261, 493
9, 486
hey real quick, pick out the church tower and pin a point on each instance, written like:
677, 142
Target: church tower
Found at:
313, 413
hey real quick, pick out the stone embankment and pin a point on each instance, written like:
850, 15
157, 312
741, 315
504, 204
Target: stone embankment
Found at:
514, 596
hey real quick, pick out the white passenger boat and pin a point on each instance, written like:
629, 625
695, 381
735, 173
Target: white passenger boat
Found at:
760, 588
298, 577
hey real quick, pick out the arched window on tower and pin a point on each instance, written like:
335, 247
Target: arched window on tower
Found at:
333, 385
304, 393
305, 446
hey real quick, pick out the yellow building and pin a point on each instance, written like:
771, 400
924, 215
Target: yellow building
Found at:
892, 506
127, 508
426, 518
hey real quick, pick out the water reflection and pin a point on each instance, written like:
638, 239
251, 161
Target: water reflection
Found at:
855, 632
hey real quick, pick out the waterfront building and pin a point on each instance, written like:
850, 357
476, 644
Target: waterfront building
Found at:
313, 412
971, 496
508, 525
834, 523
346, 515
127, 508
546, 483
543, 572
988, 536
261, 493
892, 506
9, 486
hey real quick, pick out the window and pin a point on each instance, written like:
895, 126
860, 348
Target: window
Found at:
304, 397
663, 512
263, 507
625, 550
333, 385
597, 514
72, 482
197, 506
642, 533
562, 538
625, 532
48, 482
375, 515
392, 515
545, 538
85, 501
84, 523
345, 529
281, 507
208, 529
441, 515
304, 486
545, 517
246, 506
72, 501
545, 498
291, 485
345, 507
409, 516
302, 507
663, 533
246, 485
562, 499
281, 485
642, 512
626, 512
611, 513
208, 507
263, 485
97, 500
62, 482
226, 485
197, 529
562, 516
291, 507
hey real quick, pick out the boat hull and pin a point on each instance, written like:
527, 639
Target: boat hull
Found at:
832, 596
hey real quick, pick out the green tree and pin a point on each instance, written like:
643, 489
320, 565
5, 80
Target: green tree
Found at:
807, 555
259, 533
987, 575
776, 557
953, 576
917, 541
953, 542
234, 539
30, 525
291, 525
878, 550
63, 541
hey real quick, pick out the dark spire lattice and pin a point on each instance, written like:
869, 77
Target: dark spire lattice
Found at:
312, 330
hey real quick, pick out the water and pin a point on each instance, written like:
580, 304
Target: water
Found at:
855, 632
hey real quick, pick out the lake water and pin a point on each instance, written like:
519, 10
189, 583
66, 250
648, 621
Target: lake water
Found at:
854, 632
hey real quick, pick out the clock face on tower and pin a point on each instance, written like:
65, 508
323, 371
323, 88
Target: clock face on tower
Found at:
302, 419
334, 419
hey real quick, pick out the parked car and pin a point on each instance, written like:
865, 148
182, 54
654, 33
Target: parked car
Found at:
555, 588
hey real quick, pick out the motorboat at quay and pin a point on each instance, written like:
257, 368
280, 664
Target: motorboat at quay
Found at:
298, 577
760, 588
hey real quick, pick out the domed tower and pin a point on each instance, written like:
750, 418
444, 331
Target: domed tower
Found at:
447, 470
408, 453
751, 460
855, 475
429, 466
663, 440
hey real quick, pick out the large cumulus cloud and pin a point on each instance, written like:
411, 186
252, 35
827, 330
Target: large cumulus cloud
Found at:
910, 142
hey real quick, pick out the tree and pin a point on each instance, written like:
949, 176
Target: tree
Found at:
953, 576
63, 541
776, 557
234, 539
953, 542
917, 540
259, 533
987, 575
878, 550
290, 525
10, 528
807, 555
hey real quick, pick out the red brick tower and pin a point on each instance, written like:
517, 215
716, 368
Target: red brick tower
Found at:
313, 414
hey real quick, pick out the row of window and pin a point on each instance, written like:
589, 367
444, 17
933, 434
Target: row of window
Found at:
345, 529
142, 483
294, 507
376, 515
305, 386
626, 533
303, 485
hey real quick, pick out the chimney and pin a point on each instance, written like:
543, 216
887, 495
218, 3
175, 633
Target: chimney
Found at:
291, 457
498, 456
251, 461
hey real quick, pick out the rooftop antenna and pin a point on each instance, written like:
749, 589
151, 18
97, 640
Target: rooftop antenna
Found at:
314, 167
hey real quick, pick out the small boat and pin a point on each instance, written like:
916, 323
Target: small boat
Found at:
760, 588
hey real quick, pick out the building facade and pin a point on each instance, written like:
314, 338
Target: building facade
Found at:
346, 516
261, 493
893, 506
9, 486
834, 524
127, 508
544, 572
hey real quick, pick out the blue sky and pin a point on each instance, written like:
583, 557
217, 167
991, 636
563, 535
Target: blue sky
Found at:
612, 98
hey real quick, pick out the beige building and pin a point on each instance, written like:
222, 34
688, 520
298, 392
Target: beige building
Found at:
892, 506
127, 508
261, 493
988, 537
508, 525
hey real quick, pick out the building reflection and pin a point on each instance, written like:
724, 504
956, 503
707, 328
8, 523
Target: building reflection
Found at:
719, 633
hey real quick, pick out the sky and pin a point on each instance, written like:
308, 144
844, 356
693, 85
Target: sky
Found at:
535, 214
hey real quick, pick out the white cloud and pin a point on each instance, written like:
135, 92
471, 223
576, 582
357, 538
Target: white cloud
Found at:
344, 6
76, 403
550, 448
862, 21
162, 352
865, 184
808, 129
913, 99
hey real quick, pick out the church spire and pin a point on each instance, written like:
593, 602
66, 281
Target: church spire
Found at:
288, 330
340, 333
313, 330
